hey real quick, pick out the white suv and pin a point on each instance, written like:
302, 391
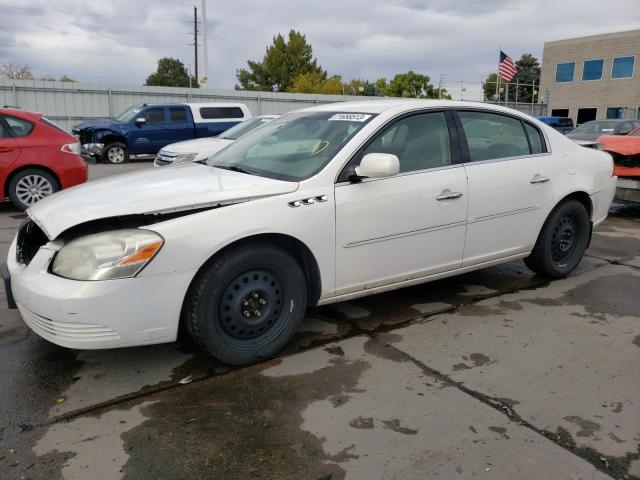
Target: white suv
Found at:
318, 206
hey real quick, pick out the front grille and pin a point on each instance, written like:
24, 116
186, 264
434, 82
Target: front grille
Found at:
30, 239
66, 330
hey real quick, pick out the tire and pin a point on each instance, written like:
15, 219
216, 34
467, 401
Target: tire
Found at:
247, 304
115, 153
30, 186
562, 241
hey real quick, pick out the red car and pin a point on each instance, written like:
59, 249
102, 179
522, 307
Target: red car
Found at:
37, 158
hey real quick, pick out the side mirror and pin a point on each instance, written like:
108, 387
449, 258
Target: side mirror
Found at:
378, 165
140, 121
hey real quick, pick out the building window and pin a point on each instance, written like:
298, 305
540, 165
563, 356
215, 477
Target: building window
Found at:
622, 67
592, 69
615, 112
638, 114
560, 112
564, 72
586, 115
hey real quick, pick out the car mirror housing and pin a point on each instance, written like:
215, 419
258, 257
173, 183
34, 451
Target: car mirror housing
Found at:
141, 121
378, 165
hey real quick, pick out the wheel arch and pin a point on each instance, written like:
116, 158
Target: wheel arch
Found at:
22, 168
295, 247
582, 197
113, 138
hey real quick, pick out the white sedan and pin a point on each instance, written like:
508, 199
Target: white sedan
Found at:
202, 148
318, 206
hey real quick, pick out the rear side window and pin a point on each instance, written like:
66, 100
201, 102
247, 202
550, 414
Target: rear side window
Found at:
212, 113
4, 133
154, 116
177, 114
19, 127
535, 140
492, 136
49, 123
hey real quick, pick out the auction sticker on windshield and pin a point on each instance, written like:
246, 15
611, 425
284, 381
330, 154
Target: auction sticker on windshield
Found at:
350, 117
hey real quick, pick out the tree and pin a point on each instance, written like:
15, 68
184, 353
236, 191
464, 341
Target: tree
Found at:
489, 87
314, 82
65, 78
171, 72
528, 73
283, 61
15, 71
411, 85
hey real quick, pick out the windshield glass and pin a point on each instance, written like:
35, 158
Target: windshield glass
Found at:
129, 113
240, 129
292, 147
595, 127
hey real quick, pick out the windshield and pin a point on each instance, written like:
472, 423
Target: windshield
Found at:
240, 129
596, 127
129, 114
293, 147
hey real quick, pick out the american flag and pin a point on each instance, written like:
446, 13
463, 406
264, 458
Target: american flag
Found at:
506, 68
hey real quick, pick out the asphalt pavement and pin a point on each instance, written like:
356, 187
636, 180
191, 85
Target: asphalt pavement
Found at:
495, 374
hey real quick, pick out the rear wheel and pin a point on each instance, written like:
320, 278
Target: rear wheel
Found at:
115, 153
30, 186
562, 241
246, 305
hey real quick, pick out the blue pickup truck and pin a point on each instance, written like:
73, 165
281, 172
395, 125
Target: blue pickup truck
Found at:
142, 130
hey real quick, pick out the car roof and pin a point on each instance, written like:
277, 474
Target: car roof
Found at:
20, 113
401, 104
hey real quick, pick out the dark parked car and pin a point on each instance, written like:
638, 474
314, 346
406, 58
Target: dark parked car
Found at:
592, 130
561, 124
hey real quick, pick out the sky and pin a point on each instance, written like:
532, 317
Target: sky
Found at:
120, 41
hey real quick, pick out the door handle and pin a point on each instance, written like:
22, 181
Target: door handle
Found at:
537, 178
448, 195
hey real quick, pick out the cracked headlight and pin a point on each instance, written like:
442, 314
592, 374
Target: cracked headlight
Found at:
107, 255
184, 157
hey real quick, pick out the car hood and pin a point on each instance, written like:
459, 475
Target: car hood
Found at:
156, 190
197, 145
94, 124
622, 144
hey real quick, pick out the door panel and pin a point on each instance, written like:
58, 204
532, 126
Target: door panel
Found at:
395, 229
179, 127
510, 185
150, 136
506, 210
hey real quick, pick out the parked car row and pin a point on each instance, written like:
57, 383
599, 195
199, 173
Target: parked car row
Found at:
318, 206
142, 130
590, 131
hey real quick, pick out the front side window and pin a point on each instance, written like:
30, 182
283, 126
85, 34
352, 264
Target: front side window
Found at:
564, 72
592, 69
19, 127
622, 67
154, 116
292, 147
420, 142
129, 114
492, 136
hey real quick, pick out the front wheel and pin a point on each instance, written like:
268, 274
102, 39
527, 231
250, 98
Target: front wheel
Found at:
247, 304
562, 241
115, 153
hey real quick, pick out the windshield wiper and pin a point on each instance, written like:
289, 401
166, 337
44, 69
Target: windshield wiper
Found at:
235, 168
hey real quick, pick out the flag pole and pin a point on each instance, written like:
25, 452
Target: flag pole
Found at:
498, 75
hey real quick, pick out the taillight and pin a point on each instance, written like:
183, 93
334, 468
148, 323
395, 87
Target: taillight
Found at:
73, 148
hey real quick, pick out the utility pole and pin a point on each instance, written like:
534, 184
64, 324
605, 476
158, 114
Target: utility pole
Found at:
195, 39
205, 56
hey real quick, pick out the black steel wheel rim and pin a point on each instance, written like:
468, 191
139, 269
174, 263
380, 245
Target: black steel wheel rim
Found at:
251, 307
565, 239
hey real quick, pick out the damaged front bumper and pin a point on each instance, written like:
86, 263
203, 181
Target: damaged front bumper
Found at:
92, 149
